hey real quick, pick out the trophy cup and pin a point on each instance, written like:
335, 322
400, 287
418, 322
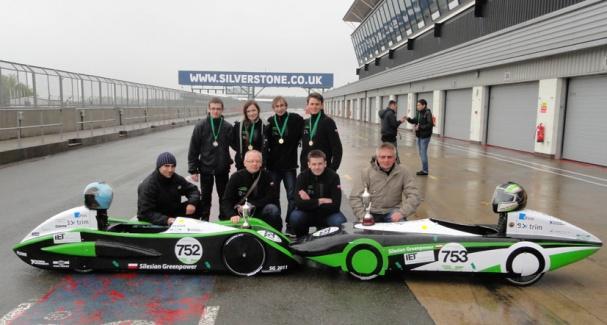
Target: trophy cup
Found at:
368, 218
246, 210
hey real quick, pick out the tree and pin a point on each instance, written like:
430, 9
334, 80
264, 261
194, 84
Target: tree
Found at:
10, 89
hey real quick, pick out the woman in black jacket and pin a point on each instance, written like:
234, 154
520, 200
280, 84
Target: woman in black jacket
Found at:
248, 134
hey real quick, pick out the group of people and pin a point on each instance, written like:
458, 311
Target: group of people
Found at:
266, 154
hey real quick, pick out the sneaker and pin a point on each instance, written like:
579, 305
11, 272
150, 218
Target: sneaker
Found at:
421, 173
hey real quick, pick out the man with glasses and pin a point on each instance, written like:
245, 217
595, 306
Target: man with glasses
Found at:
394, 195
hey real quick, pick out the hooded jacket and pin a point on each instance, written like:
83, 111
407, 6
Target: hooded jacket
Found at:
283, 156
203, 157
389, 123
394, 190
159, 198
326, 140
325, 185
424, 119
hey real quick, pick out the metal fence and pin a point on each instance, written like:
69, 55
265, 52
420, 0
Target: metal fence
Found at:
36, 101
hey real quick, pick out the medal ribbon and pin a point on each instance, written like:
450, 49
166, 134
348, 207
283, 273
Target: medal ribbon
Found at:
252, 131
281, 130
313, 129
215, 136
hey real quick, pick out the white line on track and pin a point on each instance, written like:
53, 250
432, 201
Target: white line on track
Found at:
16, 312
209, 315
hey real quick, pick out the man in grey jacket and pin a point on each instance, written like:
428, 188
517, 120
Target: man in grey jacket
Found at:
394, 195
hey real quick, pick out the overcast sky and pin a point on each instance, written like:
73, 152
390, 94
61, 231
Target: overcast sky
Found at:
149, 41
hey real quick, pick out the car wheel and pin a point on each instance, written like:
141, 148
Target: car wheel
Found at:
243, 254
525, 266
364, 262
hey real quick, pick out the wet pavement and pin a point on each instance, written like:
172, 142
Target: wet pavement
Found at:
459, 188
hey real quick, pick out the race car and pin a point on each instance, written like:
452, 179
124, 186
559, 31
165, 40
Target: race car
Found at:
84, 239
521, 247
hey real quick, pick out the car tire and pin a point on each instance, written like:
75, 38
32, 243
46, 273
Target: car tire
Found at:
243, 254
524, 280
364, 262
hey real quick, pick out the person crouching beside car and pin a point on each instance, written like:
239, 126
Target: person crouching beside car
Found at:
317, 197
255, 186
394, 195
159, 195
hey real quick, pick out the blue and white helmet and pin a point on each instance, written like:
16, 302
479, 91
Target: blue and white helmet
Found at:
98, 196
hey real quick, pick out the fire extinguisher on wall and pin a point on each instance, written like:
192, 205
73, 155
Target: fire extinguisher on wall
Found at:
539, 134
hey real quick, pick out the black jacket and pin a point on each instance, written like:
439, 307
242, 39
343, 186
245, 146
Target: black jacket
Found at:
424, 119
240, 140
283, 156
159, 198
326, 139
203, 157
265, 192
389, 123
327, 185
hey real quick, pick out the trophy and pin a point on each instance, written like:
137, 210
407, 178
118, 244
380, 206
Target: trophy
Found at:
368, 218
246, 210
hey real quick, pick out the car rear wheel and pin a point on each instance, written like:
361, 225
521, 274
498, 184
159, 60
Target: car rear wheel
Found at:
525, 266
523, 281
364, 262
243, 254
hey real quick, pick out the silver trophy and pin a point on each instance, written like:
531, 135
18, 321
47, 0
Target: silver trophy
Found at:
246, 210
368, 218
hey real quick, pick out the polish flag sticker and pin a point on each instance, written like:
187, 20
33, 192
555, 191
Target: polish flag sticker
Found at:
133, 266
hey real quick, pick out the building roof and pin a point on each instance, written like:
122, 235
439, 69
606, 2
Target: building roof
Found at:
359, 10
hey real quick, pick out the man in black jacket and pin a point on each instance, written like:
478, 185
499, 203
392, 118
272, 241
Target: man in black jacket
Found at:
209, 155
320, 132
389, 123
423, 130
262, 194
283, 135
159, 195
318, 197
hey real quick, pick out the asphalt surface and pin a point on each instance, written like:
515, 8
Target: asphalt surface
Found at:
459, 189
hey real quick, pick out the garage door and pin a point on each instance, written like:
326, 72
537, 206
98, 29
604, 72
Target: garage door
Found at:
371, 110
401, 102
458, 106
512, 116
585, 131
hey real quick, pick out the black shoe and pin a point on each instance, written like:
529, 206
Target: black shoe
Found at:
421, 173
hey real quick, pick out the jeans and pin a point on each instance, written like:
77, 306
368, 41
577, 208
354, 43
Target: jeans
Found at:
206, 187
422, 147
271, 215
301, 221
289, 178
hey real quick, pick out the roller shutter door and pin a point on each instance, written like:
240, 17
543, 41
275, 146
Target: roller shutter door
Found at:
585, 120
458, 106
371, 110
428, 97
512, 116
401, 102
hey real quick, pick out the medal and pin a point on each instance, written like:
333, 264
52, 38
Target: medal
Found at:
251, 134
215, 144
250, 147
216, 135
281, 130
311, 143
314, 128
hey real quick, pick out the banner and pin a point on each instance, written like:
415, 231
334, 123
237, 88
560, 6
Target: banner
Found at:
256, 79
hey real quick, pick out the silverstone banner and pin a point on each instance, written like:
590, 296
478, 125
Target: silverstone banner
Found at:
256, 79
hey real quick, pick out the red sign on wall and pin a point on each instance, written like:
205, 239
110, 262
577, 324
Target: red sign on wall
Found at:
544, 107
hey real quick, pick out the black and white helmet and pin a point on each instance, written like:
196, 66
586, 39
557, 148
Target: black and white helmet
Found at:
509, 197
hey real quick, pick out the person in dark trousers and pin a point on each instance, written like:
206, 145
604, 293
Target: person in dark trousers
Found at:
283, 135
254, 185
423, 130
318, 197
248, 134
209, 155
159, 195
320, 132
389, 123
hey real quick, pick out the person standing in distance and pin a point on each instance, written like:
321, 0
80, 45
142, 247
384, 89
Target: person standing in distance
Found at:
423, 130
389, 123
283, 135
209, 155
320, 132
248, 134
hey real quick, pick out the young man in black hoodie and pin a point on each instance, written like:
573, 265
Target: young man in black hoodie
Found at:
159, 195
263, 195
283, 135
318, 197
320, 132
209, 155
423, 130
389, 123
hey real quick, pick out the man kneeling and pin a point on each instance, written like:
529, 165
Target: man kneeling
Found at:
255, 186
394, 195
318, 197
